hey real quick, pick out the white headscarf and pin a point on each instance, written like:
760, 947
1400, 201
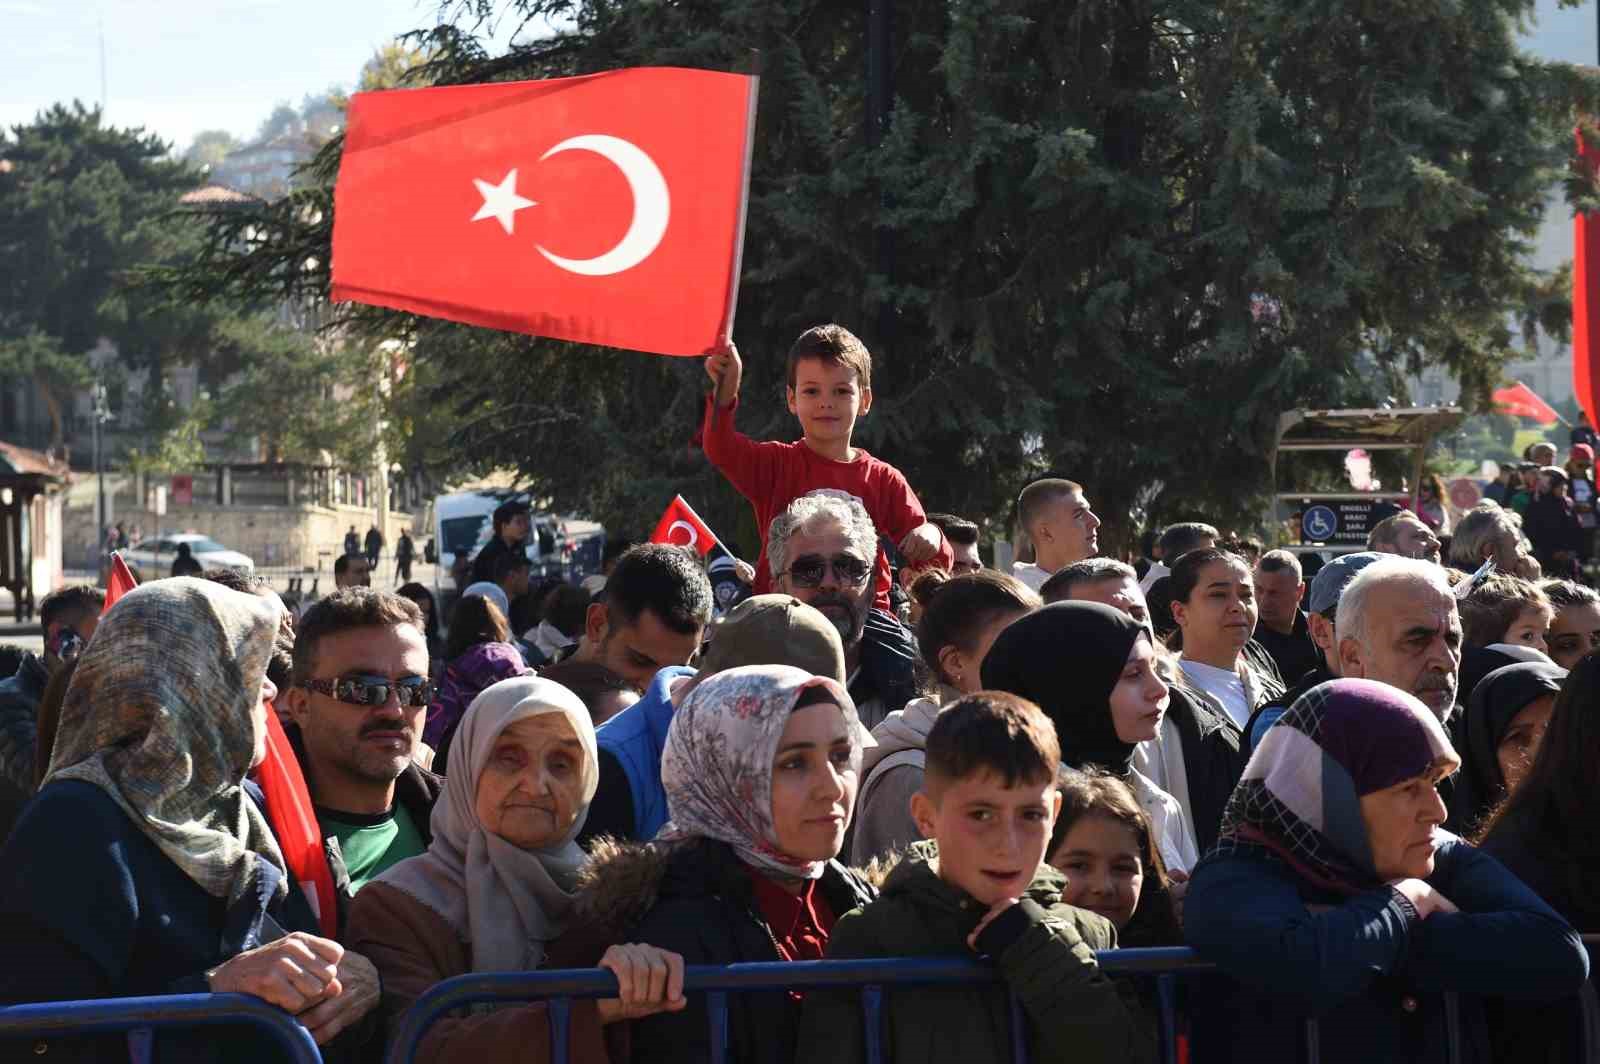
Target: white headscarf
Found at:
717, 764
507, 903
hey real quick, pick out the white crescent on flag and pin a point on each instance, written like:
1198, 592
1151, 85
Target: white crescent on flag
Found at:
694, 536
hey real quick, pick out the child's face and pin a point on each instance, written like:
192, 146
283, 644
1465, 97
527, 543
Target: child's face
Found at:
827, 398
1529, 629
991, 837
1104, 868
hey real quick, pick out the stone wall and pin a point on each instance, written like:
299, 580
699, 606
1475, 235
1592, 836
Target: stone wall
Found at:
303, 537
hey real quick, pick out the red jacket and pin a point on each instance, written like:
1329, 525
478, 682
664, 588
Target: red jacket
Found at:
772, 475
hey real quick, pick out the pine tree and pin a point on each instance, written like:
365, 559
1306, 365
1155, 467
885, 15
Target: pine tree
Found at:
1112, 239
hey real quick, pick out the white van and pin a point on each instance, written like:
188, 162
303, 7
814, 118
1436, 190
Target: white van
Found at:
463, 523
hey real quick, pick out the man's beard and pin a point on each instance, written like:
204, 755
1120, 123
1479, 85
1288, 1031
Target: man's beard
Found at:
849, 622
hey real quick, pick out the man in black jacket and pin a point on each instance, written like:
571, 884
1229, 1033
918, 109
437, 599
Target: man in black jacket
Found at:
511, 525
357, 700
1326, 588
821, 550
1283, 631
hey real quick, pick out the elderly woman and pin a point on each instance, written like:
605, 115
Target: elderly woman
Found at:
1332, 893
760, 770
494, 890
145, 865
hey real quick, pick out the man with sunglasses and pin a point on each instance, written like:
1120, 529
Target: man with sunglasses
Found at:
821, 551
357, 700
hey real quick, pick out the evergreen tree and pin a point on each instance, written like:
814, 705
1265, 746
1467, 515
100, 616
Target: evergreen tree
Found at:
81, 203
1113, 239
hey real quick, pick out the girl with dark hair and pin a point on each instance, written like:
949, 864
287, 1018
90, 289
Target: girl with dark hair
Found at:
1214, 606
1544, 833
1104, 844
478, 655
1575, 631
959, 624
1332, 893
1091, 668
430, 624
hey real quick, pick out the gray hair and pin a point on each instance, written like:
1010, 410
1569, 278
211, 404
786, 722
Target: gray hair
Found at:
1350, 622
1479, 528
819, 507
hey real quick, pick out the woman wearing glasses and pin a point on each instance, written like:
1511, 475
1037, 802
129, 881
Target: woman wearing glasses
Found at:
496, 887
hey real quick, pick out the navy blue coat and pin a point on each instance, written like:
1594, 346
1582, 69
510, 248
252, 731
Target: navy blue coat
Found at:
91, 908
1375, 978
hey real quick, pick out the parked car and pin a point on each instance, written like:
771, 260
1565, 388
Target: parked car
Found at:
152, 558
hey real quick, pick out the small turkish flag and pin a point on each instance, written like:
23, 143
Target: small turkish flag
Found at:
119, 581
606, 209
680, 526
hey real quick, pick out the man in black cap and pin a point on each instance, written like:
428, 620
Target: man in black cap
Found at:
511, 526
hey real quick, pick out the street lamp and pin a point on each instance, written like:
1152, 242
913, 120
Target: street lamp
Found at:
99, 414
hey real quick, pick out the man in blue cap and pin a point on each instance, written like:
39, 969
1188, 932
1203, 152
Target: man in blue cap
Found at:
1326, 587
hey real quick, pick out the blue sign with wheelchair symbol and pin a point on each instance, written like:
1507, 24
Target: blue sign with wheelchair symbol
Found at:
1320, 524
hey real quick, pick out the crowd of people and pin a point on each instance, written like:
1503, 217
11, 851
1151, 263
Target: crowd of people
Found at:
1362, 792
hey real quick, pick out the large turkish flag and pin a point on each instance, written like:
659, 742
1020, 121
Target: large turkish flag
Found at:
606, 209
1586, 298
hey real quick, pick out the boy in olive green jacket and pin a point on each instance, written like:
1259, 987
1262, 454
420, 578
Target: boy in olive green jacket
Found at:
979, 887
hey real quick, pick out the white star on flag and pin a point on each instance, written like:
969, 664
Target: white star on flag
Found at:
501, 201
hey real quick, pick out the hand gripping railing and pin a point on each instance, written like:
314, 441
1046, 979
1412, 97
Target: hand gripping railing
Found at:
559, 988
72, 1019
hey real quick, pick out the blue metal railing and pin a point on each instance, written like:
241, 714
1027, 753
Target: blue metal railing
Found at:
872, 977
72, 1019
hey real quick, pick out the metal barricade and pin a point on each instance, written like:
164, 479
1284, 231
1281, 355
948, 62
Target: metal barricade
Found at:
72, 1019
872, 977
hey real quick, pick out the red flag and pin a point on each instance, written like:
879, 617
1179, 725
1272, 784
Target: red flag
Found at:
294, 822
606, 209
1586, 298
1519, 400
680, 526
119, 581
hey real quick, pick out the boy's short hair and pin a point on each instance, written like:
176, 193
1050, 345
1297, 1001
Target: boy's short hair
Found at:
835, 344
957, 530
71, 604
1033, 499
990, 731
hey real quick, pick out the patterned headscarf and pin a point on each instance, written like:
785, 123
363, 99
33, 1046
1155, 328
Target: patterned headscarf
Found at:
1300, 795
717, 765
160, 716
507, 902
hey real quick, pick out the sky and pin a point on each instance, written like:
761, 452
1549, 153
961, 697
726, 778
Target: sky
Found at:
181, 66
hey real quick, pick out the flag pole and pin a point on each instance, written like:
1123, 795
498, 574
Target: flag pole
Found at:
744, 212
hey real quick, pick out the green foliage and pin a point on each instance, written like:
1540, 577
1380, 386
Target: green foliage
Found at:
305, 399
80, 204
394, 65
176, 450
1111, 239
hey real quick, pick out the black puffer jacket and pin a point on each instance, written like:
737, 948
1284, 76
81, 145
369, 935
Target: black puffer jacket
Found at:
695, 898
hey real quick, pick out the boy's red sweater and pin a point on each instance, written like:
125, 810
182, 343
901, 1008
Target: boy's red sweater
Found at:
772, 475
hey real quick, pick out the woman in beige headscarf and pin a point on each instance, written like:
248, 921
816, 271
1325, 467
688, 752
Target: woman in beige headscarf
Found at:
495, 888
144, 866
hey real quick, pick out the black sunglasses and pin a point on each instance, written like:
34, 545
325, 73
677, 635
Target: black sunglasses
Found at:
374, 690
809, 570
